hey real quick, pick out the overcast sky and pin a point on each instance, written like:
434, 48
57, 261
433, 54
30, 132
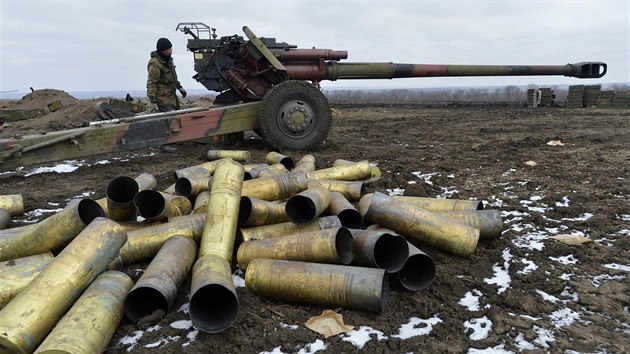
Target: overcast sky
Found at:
76, 45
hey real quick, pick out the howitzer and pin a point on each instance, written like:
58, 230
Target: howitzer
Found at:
268, 86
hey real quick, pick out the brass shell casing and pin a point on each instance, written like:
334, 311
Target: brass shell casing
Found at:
316, 283
346, 212
346, 172
375, 172
352, 190
488, 222
322, 246
5, 219
222, 215
143, 244
155, 206
201, 202
191, 186
278, 187
379, 249
91, 322
119, 198
213, 300
243, 156
275, 157
205, 169
441, 205
12, 203
307, 205
50, 234
29, 317
306, 163
17, 273
285, 228
419, 224
257, 212
158, 286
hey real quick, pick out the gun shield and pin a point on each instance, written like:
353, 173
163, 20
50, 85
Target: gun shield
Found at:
50, 234
419, 224
101, 304
157, 287
379, 249
323, 246
60, 283
315, 283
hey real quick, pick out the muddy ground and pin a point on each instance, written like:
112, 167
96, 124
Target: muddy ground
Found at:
523, 292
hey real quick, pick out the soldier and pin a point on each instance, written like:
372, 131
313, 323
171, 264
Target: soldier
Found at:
162, 81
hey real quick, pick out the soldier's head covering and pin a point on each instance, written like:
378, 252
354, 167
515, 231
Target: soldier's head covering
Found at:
163, 44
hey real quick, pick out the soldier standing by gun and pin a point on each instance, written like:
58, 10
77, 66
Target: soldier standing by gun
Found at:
162, 82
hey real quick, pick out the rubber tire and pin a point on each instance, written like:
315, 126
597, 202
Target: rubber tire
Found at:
306, 94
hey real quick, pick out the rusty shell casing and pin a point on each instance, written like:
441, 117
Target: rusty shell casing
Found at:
205, 169
143, 244
441, 205
155, 206
346, 212
222, 214
419, 224
418, 271
306, 163
488, 222
375, 172
29, 317
17, 273
201, 203
322, 246
379, 249
191, 186
276, 157
243, 156
5, 219
158, 286
315, 283
285, 228
257, 212
12, 203
352, 190
52, 233
91, 322
213, 300
349, 172
278, 187
119, 198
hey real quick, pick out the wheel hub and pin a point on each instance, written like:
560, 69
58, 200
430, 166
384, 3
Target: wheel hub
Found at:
295, 117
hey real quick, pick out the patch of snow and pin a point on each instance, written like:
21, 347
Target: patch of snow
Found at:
471, 300
564, 317
547, 297
417, 327
185, 308
312, 348
532, 240
584, 217
494, 202
131, 340
523, 344
564, 203
191, 336
162, 341
411, 182
426, 176
64, 167
501, 274
275, 350
395, 191
360, 336
566, 276
530, 266
544, 336
497, 349
239, 282
447, 192
182, 324
624, 217
565, 259
480, 328
284, 325
625, 268
599, 279
531, 318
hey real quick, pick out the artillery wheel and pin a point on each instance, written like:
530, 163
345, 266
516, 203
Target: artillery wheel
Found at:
295, 115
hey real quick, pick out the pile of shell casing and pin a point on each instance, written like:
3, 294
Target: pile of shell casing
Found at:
299, 234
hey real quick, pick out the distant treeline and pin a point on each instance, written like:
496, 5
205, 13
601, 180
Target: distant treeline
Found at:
507, 94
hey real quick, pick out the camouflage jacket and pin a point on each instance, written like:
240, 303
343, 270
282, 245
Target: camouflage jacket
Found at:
162, 82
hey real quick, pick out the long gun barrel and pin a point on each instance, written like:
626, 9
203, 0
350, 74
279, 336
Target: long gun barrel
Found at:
333, 70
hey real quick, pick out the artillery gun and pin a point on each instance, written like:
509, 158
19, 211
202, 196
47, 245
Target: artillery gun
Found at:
264, 85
